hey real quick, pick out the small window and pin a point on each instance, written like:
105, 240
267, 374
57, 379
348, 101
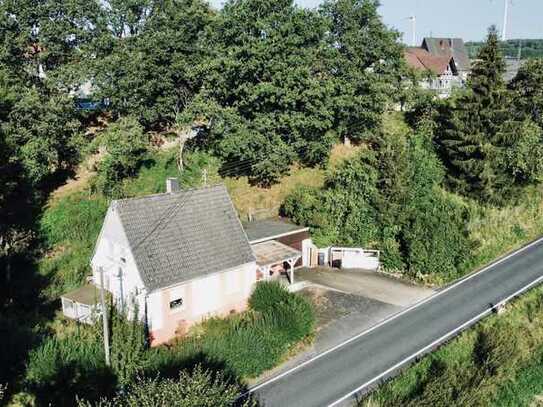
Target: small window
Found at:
176, 304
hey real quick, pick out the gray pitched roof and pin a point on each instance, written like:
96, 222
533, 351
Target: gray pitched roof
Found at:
449, 46
260, 230
176, 237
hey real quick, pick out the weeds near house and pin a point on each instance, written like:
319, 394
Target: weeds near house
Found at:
246, 345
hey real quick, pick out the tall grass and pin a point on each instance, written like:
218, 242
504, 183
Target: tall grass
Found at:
472, 368
63, 367
69, 228
245, 345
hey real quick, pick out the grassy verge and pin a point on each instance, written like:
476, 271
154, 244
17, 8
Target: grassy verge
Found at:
526, 388
475, 368
497, 231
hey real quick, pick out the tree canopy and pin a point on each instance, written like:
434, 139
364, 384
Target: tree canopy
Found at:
489, 153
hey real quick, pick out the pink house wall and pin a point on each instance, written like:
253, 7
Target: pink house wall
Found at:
218, 294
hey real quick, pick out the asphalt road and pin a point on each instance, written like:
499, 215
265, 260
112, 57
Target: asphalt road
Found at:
354, 366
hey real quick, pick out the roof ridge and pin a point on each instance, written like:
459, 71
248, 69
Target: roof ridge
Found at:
159, 194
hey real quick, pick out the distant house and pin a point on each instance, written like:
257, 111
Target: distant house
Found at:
453, 47
85, 99
446, 60
183, 256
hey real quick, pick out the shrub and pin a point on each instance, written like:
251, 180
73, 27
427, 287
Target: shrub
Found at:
292, 313
128, 345
201, 388
62, 368
267, 295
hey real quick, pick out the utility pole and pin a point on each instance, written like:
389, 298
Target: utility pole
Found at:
505, 17
104, 316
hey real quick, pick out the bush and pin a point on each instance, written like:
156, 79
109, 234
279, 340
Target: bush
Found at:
62, 368
267, 295
389, 197
292, 313
128, 345
201, 388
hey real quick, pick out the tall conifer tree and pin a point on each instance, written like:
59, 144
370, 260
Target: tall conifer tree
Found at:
470, 123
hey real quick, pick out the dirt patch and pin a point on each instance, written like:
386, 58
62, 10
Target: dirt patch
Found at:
331, 305
85, 171
538, 401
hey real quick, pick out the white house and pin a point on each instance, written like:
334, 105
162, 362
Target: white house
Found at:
183, 256
180, 257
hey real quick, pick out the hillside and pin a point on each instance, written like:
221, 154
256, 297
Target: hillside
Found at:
530, 48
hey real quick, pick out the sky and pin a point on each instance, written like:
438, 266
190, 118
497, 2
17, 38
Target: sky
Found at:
468, 19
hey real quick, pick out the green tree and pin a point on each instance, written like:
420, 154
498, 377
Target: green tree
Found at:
44, 37
150, 62
527, 88
467, 136
125, 146
267, 94
389, 198
365, 59
201, 388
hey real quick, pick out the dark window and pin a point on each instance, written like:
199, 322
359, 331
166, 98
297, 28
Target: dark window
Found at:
176, 303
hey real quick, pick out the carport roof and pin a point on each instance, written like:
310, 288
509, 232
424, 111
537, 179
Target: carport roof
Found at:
260, 230
273, 252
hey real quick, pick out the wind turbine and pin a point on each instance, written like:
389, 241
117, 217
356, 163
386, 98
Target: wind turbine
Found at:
505, 18
413, 20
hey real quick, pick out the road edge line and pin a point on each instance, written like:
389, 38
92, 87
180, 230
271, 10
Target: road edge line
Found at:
443, 338
393, 317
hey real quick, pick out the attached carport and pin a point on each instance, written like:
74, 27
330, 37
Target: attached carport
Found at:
272, 253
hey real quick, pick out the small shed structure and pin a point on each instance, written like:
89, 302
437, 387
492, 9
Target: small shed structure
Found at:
81, 304
279, 247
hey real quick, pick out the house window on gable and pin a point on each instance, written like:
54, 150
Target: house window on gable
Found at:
176, 304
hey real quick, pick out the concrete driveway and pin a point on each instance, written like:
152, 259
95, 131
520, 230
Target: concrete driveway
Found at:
347, 303
368, 284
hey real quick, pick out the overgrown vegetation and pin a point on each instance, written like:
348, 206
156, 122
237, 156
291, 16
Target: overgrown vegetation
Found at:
417, 194
476, 368
388, 197
201, 388
242, 346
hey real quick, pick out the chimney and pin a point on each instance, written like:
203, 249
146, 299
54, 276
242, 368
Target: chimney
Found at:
172, 185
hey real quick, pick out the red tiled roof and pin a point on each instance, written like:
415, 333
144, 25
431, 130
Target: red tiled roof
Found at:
420, 59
